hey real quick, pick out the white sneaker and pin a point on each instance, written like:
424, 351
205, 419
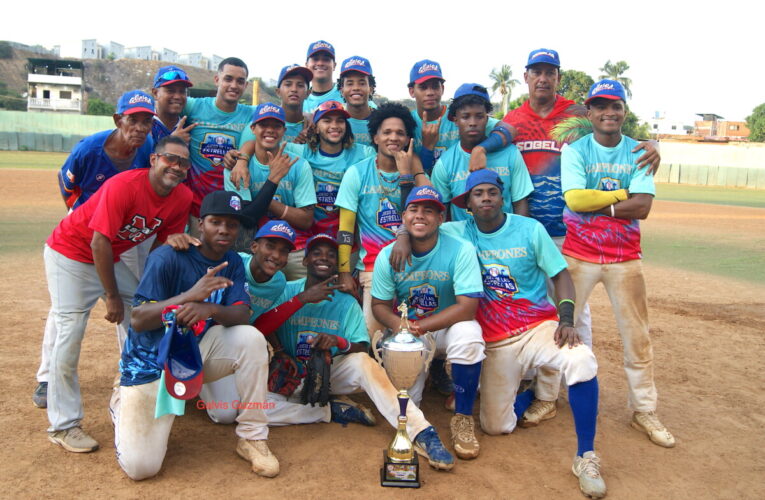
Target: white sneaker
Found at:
587, 469
537, 412
649, 423
74, 439
264, 463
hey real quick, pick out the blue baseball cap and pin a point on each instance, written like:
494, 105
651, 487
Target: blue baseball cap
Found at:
472, 89
135, 101
425, 70
546, 56
329, 107
356, 63
425, 194
318, 238
277, 229
167, 75
268, 110
179, 354
606, 89
320, 46
295, 69
483, 176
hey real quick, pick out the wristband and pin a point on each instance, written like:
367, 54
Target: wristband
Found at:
401, 231
505, 133
284, 214
344, 238
244, 156
613, 212
406, 178
493, 142
342, 344
566, 312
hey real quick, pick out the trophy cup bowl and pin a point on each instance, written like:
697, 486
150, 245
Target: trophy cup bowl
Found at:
403, 356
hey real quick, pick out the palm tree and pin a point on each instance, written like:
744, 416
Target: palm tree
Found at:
614, 71
504, 82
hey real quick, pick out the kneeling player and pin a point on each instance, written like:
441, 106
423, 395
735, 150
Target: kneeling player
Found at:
208, 282
520, 325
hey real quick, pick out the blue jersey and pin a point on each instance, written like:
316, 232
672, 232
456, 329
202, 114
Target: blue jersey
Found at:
515, 259
169, 273
263, 296
313, 100
342, 316
432, 282
159, 130
448, 133
291, 131
360, 129
88, 166
451, 172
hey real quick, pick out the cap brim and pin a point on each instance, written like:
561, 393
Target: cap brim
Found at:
182, 388
357, 70
557, 65
428, 77
311, 54
275, 237
428, 200
459, 200
609, 97
321, 115
170, 82
316, 241
304, 72
133, 111
260, 119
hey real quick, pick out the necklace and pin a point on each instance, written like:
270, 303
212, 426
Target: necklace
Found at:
387, 190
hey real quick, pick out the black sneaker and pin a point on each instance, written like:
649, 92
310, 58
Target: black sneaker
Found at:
40, 396
344, 411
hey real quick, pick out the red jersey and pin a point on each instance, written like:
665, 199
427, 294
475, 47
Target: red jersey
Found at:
542, 157
127, 210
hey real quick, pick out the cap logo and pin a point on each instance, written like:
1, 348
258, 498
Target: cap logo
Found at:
267, 108
354, 62
281, 228
179, 388
427, 192
236, 203
428, 67
602, 86
539, 54
321, 45
139, 98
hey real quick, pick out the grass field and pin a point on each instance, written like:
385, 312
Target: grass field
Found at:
31, 159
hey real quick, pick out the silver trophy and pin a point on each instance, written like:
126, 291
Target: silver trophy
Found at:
403, 356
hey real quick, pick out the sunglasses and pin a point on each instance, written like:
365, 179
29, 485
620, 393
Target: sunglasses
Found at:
176, 160
175, 74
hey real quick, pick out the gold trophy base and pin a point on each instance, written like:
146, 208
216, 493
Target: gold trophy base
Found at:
398, 474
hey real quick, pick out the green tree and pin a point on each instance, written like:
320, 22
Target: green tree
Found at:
574, 85
516, 103
756, 124
504, 82
633, 128
98, 107
614, 71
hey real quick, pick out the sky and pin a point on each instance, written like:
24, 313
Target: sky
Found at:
682, 55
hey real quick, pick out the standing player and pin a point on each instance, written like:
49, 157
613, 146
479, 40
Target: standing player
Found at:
606, 194
92, 161
370, 197
469, 111
82, 264
334, 322
520, 325
219, 124
442, 286
357, 85
170, 86
320, 59
208, 283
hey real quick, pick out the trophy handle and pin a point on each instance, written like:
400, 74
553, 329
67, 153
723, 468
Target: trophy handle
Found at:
376, 337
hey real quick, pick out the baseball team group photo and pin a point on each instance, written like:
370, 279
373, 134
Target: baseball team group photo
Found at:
329, 294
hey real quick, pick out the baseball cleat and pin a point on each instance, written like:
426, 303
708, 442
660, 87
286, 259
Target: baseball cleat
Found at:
587, 469
74, 439
40, 396
539, 411
463, 436
345, 411
429, 445
649, 423
439, 379
264, 463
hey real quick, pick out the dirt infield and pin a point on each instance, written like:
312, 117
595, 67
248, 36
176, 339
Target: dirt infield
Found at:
708, 344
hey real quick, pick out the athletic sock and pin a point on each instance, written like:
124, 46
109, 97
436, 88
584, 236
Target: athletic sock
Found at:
522, 403
583, 398
465, 379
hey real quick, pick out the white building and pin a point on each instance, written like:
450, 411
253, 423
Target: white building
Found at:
54, 85
661, 124
169, 55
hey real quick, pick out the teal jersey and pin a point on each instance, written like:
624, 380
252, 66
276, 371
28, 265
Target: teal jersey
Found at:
312, 101
291, 131
448, 133
360, 129
450, 175
515, 260
263, 296
375, 197
216, 132
328, 172
342, 316
432, 282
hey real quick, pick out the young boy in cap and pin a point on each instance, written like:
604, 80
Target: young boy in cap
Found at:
441, 286
522, 328
82, 263
208, 283
469, 112
320, 59
357, 85
170, 86
606, 195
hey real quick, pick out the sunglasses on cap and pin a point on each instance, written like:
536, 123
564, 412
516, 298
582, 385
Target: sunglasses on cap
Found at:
175, 160
175, 74
329, 106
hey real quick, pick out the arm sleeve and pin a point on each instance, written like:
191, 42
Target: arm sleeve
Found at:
383, 287
549, 258
258, 207
589, 200
305, 191
520, 183
347, 223
467, 272
268, 322
572, 174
